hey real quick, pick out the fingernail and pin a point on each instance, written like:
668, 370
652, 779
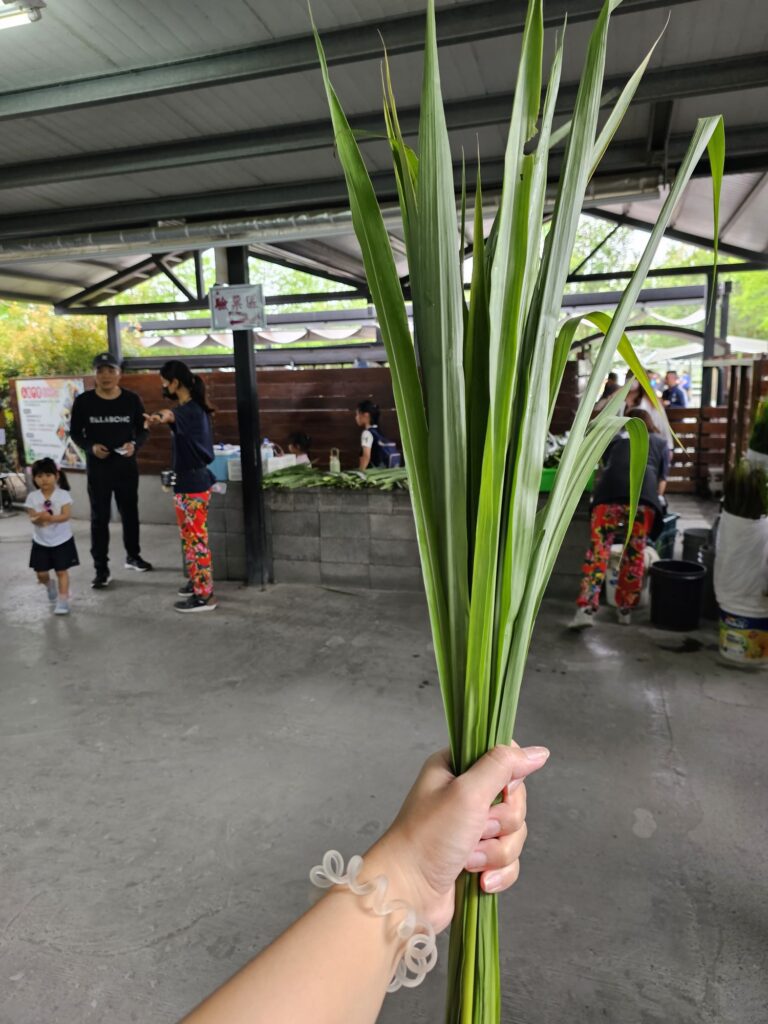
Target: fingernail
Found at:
477, 860
539, 754
514, 785
492, 828
492, 881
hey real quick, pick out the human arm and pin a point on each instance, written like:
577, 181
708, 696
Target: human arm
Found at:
77, 423
61, 517
140, 429
333, 965
164, 416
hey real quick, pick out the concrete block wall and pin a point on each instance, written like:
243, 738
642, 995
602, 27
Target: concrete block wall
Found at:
336, 538
344, 538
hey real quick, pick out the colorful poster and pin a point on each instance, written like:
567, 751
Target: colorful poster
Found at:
45, 407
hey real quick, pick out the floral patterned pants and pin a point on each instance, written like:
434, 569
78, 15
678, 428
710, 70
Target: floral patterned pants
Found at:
609, 526
192, 517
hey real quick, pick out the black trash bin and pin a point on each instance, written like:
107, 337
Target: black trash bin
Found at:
693, 541
709, 606
676, 592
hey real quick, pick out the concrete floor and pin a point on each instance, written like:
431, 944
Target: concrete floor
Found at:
167, 783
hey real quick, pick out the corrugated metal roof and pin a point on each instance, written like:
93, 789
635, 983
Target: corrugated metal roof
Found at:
86, 42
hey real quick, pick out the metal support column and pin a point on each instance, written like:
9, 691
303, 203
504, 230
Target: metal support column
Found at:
114, 343
250, 433
724, 309
710, 326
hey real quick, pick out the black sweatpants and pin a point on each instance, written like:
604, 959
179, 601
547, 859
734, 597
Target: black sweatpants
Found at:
120, 478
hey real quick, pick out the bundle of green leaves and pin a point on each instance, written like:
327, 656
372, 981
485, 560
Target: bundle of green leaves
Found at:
476, 391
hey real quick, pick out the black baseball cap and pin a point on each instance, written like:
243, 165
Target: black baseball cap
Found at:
105, 359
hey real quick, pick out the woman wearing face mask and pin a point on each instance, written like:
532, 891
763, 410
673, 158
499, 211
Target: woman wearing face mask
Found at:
192, 451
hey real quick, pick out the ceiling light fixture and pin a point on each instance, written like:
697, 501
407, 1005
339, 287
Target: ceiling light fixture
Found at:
20, 12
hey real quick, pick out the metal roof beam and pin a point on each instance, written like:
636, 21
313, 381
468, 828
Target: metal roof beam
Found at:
648, 296
10, 296
277, 356
761, 259
659, 127
113, 282
297, 261
659, 87
461, 23
698, 271
175, 281
745, 206
37, 278
747, 150
133, 307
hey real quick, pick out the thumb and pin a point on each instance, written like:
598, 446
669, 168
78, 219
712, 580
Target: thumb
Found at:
500, 766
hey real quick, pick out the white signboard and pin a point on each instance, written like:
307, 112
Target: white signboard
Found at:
45, 407
237, 307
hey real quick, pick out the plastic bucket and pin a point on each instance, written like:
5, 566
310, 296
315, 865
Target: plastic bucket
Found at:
676, 590
744, 640
612, 575
693, 541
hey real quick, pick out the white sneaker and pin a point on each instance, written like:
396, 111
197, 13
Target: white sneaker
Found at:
583, 619
53, 591
62, 607
624, 616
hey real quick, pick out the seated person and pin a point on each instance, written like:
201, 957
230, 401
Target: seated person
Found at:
298, 445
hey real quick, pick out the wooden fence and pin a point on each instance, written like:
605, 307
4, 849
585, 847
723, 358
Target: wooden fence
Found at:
321, 403
703, 433
318, 402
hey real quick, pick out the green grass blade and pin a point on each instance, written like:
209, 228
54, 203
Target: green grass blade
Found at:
617, 114
539, 338
716, 154
439, 312
387, 295
509, 271
476, 366
638, 460
552, 525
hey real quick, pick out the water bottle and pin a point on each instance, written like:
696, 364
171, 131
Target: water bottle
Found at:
267, 451
335, 462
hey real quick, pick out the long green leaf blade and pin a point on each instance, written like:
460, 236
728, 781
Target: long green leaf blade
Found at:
506, 317
439, 320
388, 298
622, 104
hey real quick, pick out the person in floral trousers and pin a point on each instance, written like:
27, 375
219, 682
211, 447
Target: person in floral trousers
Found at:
192, 517
192, 452
610, 517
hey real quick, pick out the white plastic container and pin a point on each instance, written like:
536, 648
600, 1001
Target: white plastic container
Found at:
275, 462
744, 640
612, 575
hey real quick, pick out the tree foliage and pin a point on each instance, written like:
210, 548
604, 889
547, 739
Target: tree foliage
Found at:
34, 341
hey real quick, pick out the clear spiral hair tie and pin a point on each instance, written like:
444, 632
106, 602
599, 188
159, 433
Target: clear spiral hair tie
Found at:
420, 953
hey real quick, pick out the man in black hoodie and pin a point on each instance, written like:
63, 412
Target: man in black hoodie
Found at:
108, 424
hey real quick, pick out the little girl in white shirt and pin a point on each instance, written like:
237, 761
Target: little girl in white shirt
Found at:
49, 508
